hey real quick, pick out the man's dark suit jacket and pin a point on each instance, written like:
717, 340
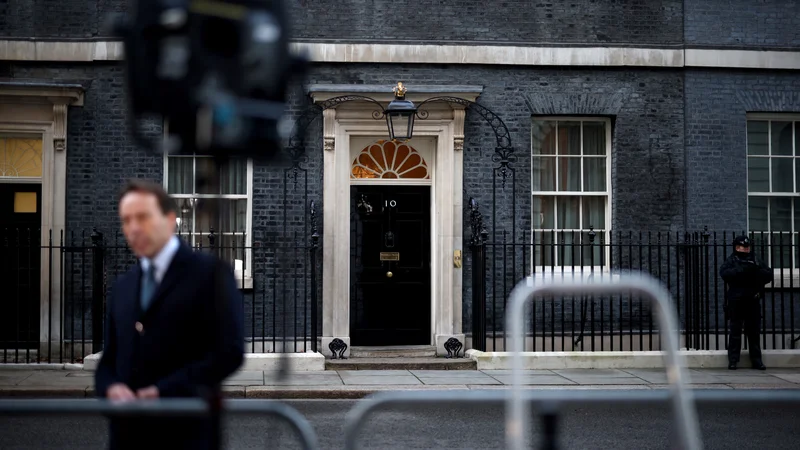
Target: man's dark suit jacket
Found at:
190, 340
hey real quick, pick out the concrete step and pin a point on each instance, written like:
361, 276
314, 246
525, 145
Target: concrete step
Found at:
400, 351
401, 364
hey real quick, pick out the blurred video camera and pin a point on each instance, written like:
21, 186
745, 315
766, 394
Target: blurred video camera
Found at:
217, 71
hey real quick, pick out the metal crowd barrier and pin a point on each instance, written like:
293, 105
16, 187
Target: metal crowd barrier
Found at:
641, 284
166, 408
547, 402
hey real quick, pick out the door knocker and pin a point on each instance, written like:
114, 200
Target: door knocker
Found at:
363, 205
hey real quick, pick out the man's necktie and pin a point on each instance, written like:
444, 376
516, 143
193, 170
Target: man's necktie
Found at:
148, 286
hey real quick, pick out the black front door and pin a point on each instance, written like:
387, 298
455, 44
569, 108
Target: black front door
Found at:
20, 255
390, 265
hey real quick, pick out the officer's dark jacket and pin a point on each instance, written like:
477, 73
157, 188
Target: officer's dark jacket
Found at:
745, 276
189, 340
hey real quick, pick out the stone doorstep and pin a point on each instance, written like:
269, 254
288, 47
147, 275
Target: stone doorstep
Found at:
401, 364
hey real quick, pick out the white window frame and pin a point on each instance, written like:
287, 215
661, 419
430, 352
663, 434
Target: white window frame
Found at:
603, 230
794, 269
244, 277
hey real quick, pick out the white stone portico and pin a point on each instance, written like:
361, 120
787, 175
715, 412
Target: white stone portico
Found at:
440, 136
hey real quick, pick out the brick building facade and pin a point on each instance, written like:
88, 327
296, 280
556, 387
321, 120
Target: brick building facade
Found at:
656, 96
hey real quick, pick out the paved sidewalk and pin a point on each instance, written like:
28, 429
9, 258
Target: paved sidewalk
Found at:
348, 384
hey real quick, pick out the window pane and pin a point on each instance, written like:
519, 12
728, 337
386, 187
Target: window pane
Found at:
781, 138
232, 176
180, 175
204, 169
757, 210
594, 138
594, 212
568, 249
758, 174
782, 176
797, 171
780, 250
232, 249
593, 250
543, 213
780, 214
569, 138
594, 174
568, 210
544, 171
231, 216
757, 137
544, 137
796, 214
543, 249
184, 222
761, 244
569, 174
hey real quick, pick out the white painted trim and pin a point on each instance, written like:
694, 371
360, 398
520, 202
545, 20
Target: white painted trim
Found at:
88, 51
367, 182
773, 116
347, 123
30, 50
742, 59
22, 180
490, 55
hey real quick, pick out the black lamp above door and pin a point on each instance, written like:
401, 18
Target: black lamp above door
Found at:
400, 115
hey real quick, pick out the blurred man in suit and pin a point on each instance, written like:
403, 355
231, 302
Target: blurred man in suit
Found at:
174, 326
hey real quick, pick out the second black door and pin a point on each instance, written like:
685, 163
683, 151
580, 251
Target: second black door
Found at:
390, 290
20, 222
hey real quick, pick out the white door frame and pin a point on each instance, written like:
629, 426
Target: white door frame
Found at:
446, 125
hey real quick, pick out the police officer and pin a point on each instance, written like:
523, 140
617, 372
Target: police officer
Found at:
745, 276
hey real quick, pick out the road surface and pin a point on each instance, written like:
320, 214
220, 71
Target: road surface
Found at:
626, 427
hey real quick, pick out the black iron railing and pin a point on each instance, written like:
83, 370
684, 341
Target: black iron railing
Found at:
686, 263
56, 288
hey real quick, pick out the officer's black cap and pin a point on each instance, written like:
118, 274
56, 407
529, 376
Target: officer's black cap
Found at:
744, 241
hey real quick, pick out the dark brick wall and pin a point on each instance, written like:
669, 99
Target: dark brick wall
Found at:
759, 23
716, 147
57, 18
577, 21
542, 22
763, 23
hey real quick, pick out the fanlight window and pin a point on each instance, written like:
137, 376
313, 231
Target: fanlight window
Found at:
387, 159
20, 157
